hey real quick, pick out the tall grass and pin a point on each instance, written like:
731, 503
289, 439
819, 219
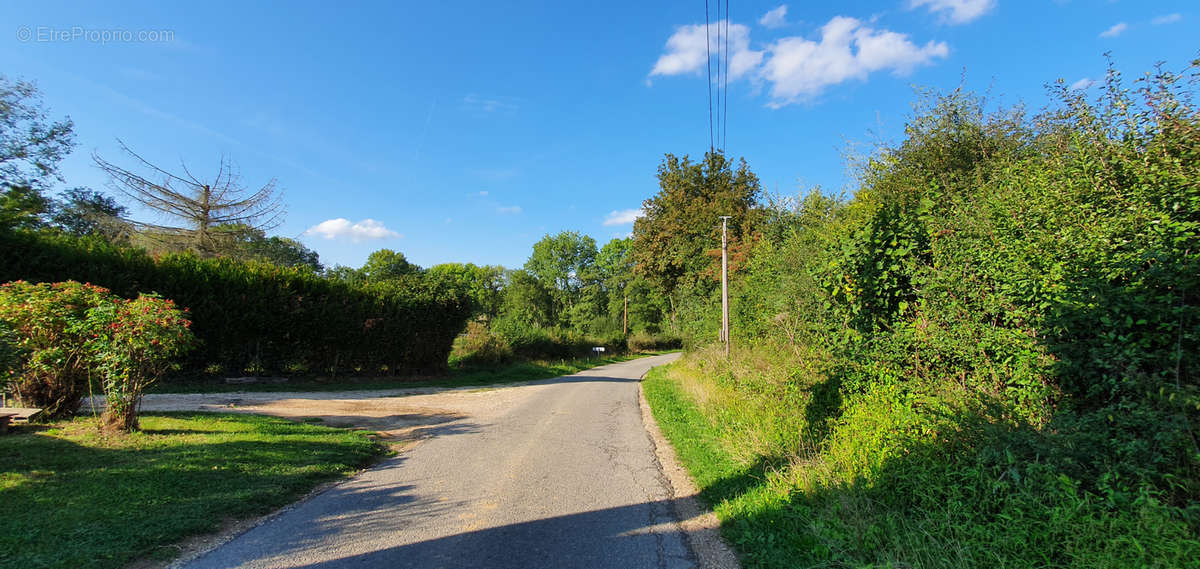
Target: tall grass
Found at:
883, 488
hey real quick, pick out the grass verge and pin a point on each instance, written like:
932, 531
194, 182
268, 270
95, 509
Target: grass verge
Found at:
970, 501
511, 373
72, 498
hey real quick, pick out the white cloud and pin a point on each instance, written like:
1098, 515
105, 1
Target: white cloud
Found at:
955, 12
365, 230
1082, 84
798, 68
623, 217
687, 50
508, 209
1114, 31
1167, 19
776, 18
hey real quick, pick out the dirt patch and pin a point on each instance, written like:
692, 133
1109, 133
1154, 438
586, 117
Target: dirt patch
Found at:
396, 415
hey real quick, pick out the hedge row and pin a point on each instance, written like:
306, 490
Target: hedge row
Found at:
258, 318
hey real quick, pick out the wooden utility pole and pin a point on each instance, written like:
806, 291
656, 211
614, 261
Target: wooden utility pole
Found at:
625, 318
725, 282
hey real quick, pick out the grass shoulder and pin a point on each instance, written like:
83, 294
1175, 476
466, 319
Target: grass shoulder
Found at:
942, 504
72, 498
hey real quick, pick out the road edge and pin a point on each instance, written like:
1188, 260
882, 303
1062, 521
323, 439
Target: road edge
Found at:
699, 524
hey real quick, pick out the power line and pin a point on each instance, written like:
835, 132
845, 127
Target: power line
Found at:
708, 64
717, 87
725, 113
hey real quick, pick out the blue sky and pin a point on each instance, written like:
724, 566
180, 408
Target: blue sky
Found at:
464, 131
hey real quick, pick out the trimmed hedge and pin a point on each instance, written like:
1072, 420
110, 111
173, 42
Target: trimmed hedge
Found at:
259, 318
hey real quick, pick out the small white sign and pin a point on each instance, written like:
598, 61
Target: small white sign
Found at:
598, 349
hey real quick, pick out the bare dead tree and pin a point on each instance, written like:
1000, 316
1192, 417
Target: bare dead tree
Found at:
201, 206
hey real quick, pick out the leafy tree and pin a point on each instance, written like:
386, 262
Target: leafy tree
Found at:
22, 207
564, 264
616, 268
283, 251
345, 274
200, 206
483, 285
528, 301
615, 264
674, 241
247, 243
387, 264
31, 145
84, 211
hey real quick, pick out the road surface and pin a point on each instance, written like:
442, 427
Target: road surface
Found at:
555, 473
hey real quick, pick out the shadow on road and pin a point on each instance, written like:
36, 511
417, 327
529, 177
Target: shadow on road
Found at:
626, 537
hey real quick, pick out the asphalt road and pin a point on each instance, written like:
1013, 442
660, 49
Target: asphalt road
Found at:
562, 475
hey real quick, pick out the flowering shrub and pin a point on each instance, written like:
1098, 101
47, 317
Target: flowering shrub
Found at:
47, 319
69, 333
8, 354
132, 343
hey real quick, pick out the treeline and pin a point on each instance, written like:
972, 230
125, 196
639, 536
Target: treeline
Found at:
568, 298
265, 305
986, 356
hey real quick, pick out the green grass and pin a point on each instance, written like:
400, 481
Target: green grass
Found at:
972, 500
512, 373
72, 498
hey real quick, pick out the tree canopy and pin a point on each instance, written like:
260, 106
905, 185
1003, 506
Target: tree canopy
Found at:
31, 145
681, 225
387, 264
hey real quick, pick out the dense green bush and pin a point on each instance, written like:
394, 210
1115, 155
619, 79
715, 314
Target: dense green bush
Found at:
50, 324
259, 318
645, 342
477, 346
10, 355
535, 343
997, 334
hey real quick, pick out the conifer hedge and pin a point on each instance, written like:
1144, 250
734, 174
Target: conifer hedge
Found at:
252, 318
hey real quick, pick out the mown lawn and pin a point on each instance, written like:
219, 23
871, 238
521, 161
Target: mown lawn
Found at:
72, 498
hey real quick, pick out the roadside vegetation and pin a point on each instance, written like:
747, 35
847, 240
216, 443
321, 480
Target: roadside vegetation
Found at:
95, 302
265, 306
985, 358
75, 498
458, 376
